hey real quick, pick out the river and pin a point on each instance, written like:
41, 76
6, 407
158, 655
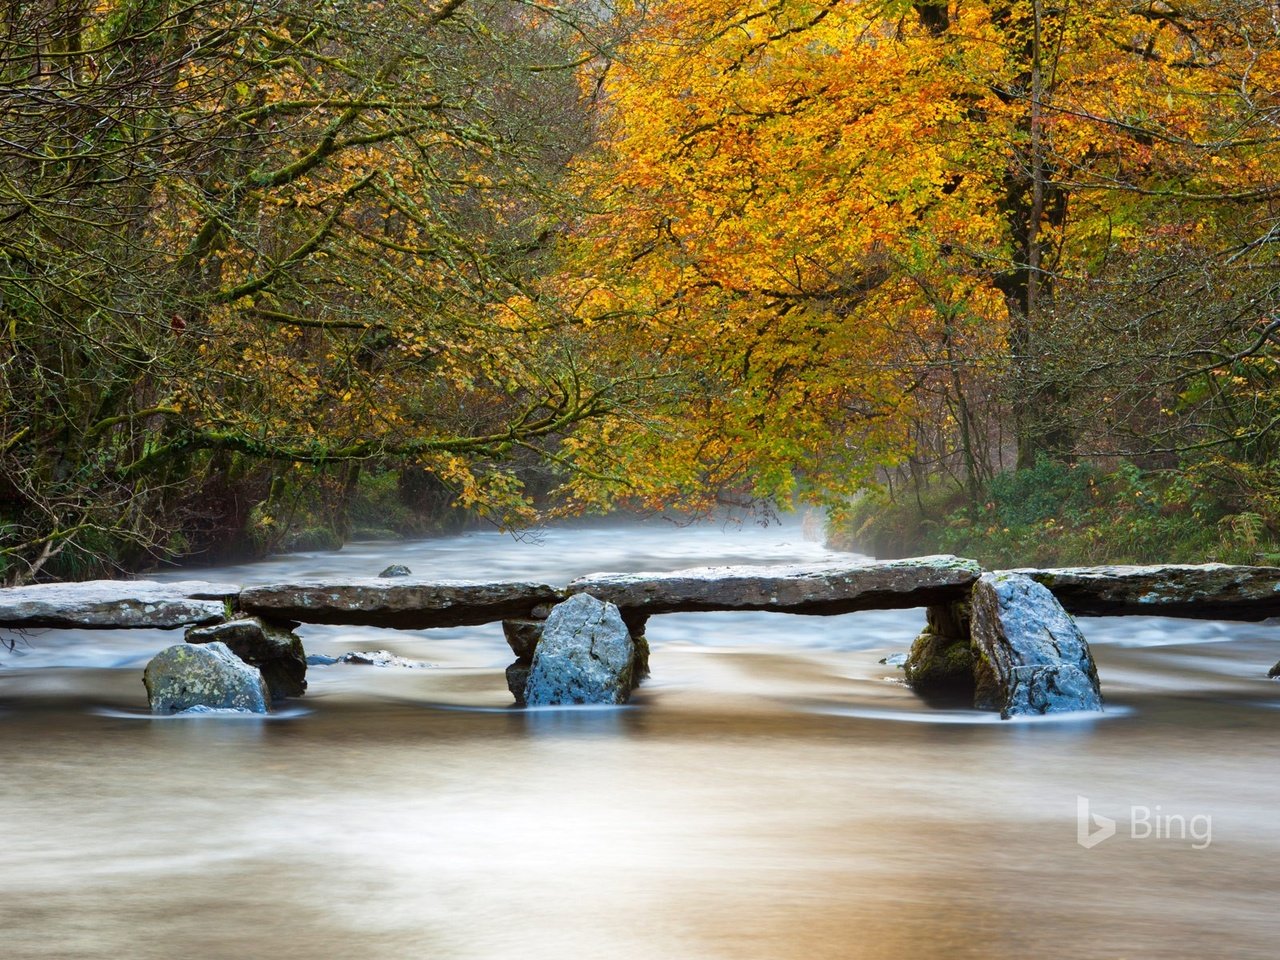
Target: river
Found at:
773, 792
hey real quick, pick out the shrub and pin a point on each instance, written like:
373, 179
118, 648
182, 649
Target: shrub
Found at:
1056, 514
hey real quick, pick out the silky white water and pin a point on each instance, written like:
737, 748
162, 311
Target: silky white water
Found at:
773, 792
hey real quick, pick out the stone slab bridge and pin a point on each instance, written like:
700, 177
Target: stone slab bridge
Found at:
985, 636
1204, 591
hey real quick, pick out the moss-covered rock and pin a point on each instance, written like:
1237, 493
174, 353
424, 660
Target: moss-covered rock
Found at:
640, 665
209, 675
273, 648
942, 658
940, 663
988, 694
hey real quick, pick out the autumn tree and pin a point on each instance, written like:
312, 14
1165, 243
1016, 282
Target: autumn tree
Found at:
241, 237
852, 220
753, 251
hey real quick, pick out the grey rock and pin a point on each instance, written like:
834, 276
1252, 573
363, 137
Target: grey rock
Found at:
320, 660
115, 604
810, 589
586, 656
275, 650
522, 637
396, 570
1274, 671
1212, 591
409, 604
1033, 658
205, 675
247, 638
517, 680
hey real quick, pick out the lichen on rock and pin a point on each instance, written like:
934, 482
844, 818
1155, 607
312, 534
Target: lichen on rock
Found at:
1032, 657
586, 655
271, 647
203, 675
942, 658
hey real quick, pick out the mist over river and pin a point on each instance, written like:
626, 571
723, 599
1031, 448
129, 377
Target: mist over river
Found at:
774, 791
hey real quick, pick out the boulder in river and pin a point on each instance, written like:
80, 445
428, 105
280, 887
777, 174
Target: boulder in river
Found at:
272, 648
396, 570
586, 655
523, 637
1032, 658
1274, 672
203, 675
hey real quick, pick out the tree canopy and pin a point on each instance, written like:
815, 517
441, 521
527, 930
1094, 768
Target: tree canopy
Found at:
867, 216
274, 232
567, 257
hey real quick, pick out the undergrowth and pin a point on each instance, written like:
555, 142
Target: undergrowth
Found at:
1056, 514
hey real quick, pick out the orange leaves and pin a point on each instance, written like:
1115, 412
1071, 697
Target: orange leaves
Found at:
766, 171
819, 206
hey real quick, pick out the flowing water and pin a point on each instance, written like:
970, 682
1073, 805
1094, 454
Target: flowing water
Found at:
773, 792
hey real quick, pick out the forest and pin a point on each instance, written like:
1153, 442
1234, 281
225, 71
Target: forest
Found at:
994, 277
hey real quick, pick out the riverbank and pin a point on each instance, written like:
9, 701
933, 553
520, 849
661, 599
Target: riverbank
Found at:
1056, 515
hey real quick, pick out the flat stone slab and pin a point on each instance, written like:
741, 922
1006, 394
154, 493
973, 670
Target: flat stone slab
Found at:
402, 602
115, 604
1210, 591
820, 589
1207, 591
